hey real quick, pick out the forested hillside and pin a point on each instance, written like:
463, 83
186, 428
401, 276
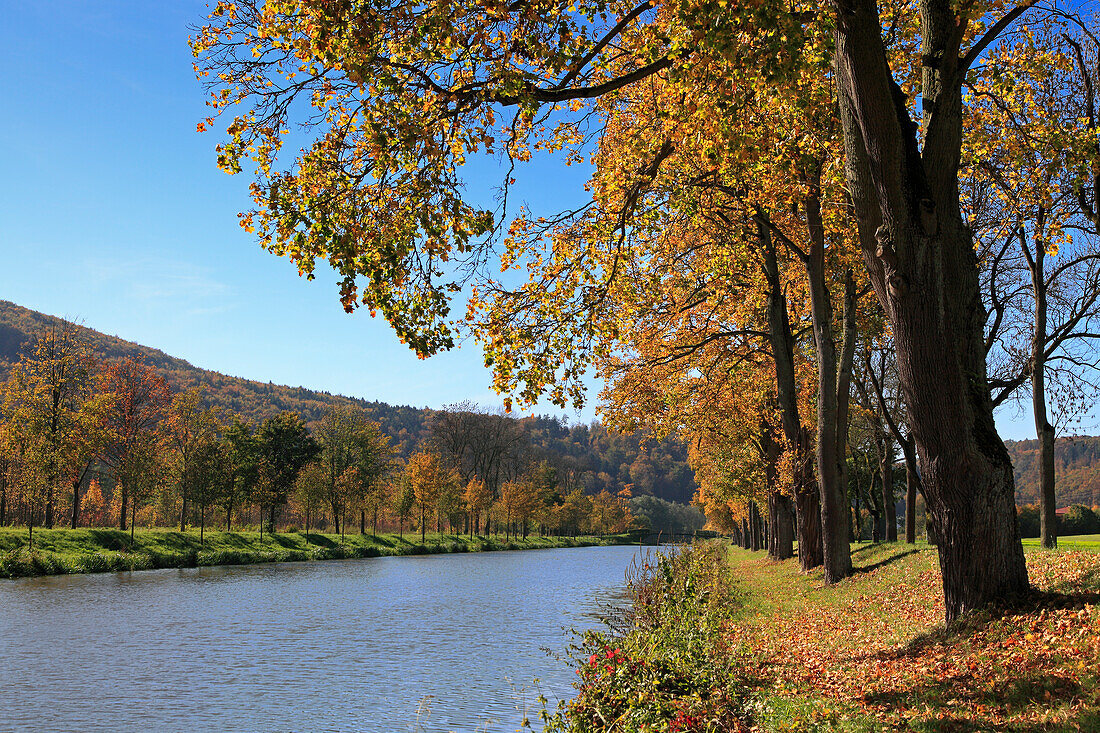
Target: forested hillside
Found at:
588, 455
1076, 470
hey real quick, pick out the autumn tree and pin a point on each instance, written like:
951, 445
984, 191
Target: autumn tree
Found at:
244, 459
284, 445
189, 431
402, 498
138, 401
402, 95
309, 492
478, 499
1032, 147
50, 399
426, 477
210, 476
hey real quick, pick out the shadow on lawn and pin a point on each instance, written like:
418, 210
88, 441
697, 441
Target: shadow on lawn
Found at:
1013, 696
883, 562
995, 690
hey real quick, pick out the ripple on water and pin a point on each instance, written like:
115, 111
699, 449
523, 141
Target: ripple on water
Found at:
339, 645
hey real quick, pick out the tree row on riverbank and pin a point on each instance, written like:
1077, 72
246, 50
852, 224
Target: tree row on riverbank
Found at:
111, 444
68, 551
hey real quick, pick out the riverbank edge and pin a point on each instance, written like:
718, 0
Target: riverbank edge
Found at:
23, 563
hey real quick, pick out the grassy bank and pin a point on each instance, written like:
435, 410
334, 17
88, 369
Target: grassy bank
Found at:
767, 648
94, 550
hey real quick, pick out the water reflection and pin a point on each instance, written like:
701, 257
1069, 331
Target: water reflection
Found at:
341, 645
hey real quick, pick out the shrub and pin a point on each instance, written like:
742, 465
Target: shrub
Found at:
657, 667
1079, 520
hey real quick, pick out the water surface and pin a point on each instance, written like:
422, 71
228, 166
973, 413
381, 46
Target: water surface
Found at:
340, 645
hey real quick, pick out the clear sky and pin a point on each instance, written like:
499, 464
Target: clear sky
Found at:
113, 213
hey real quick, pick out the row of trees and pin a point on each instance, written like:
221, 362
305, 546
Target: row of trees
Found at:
73, 428
780, 190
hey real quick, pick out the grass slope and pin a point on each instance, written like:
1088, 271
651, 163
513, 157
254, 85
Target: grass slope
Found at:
62, 551
872, 654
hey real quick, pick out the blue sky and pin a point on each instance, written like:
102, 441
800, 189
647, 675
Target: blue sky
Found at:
113, 213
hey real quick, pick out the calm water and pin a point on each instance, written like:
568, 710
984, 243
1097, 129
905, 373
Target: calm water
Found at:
342, 645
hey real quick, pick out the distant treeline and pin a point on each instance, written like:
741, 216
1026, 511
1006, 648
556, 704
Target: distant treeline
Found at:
588, 455
1076, 470
90, 442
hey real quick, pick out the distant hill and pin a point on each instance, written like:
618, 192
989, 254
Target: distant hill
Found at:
1076, 470
596, 458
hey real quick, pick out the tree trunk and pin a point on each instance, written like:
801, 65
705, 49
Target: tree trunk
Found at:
781, 523
76, 505
808, 507
122, 506
362, 521
202, 526
912, 483
889, 503
836, 552
1044, 431
183, 513
47, 520
807, 498
925, 274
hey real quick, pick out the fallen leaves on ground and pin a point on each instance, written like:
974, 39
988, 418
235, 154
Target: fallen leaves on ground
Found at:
876, 648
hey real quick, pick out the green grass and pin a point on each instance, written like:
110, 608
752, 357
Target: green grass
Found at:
1080, 541
92, 550
872, 653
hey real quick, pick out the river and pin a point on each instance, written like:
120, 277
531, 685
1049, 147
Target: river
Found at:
351, 645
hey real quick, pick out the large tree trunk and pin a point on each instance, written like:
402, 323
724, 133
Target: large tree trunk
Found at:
925, 275
836, 553
1044, 431
781, 525
806, 494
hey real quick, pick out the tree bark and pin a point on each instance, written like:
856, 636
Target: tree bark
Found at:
912, 484
75, 518
122, 506
781, 524
836, 553
806, 494
925, 275
1044, 431
889, 501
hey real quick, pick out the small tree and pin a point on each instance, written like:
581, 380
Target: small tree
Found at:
403, 499
478, 499
309, 491
426, 478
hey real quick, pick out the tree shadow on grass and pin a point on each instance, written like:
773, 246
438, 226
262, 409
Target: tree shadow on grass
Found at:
284, 540
111, 539
988, 704
884, 562
319, 540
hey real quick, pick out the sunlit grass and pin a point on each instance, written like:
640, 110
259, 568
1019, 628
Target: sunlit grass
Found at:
59, 551
871, 653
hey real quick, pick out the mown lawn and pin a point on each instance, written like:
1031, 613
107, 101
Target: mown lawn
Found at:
60, 551
1081, 540
872, 654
